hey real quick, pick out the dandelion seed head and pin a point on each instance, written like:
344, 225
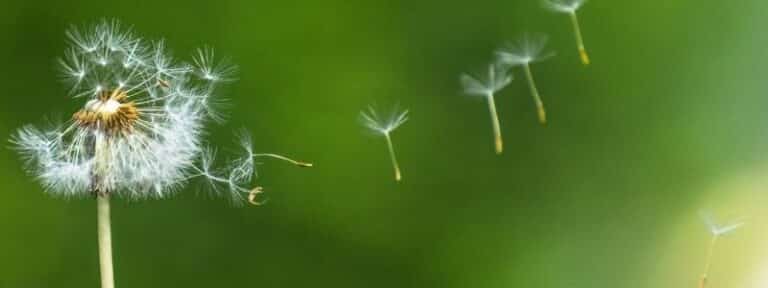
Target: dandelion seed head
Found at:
139, 131
564, 6
496, 78
383, 125
528, 49
717, 229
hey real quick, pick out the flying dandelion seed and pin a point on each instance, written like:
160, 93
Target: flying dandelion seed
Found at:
384, 126
139, 132
716, 231
496, 79
530, 49
232, 179
570, 7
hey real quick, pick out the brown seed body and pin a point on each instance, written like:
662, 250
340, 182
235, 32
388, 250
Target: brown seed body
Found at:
110, 112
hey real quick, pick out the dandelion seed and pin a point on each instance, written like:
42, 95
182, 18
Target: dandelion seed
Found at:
235, 178
74, 68
371, 120
253, 194
496, 79
208, 68
529, 49
716, 231
570, 7
139, 132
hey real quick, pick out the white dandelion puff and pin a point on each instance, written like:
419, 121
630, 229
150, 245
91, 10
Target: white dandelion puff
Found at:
496, 79
384, 126
570, 7
529, 49
717, 231
564, 6
74, 68
139, 132
141, 123
206, 67
86, 41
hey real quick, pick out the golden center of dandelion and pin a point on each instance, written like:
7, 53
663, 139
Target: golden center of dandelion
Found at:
109, 112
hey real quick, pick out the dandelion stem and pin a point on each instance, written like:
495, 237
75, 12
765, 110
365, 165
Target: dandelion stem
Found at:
495, 123
535, 92
579, 40
101, 156
708, 263
281, 157
105, 242
393, 157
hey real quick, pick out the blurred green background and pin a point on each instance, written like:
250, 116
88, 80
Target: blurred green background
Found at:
668, 120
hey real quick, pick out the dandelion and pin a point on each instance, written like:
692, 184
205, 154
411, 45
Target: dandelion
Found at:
384, 126
139, 132
716, 231
529, 49
570, 7
496, 79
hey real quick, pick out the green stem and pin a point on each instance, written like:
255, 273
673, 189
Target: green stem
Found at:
393, 157
496, 126
708, 263
105, 242
579, 40
542, 113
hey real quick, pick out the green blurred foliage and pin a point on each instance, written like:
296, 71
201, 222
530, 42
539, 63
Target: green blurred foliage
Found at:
673, 101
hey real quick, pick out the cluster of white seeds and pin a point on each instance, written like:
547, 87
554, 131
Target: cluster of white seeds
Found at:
139, 132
